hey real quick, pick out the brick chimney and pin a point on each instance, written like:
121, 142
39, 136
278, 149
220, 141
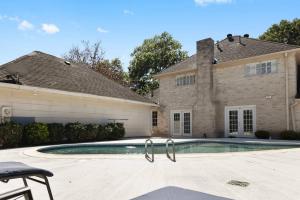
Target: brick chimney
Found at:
205, 106
205, 58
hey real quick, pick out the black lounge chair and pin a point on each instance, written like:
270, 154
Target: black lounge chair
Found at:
14, 170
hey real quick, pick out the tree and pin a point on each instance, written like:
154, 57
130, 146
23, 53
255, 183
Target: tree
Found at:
90, 54
153, 56
113, 70
93, 56
284, 32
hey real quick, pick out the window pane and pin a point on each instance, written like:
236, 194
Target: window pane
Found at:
269, 67
233, 121
258, 69
176, 125
263, 68
154, 118
184, 80
187, 123
248, 122
193, 79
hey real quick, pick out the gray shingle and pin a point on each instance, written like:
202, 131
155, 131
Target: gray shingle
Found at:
46, 71
231, 51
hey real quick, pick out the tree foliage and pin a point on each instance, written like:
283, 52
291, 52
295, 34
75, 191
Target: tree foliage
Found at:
284, 32
153, 56
93, 56
87, 54
113, 70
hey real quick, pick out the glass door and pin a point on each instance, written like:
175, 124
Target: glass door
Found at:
240, 121
181, 123
187, 122
248, 122
176, 123
233, 122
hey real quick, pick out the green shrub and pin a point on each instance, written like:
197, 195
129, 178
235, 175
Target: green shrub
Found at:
289, 135
56, 132
35, 133
119, 130
262, 134
114, 131
10, 134
90, 133
75, 131
101, 133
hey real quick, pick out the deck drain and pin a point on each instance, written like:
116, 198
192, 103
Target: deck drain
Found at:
238, 183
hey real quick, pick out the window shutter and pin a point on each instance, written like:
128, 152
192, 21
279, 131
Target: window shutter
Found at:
250, 70
247, 70
274, 66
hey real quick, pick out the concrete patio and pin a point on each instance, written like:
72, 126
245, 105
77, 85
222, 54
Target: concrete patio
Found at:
271, 174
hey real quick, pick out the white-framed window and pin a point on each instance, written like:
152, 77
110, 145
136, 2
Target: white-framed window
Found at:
187, 79
261, 68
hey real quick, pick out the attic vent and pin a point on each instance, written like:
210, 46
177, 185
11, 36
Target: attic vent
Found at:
67, 62
246, 35
230, 38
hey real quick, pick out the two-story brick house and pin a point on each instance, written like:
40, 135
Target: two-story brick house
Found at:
232, 87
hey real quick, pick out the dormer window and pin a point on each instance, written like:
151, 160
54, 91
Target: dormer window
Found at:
266, 67
187, 79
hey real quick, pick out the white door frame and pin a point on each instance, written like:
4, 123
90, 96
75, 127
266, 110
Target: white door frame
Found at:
240, 110
181, 132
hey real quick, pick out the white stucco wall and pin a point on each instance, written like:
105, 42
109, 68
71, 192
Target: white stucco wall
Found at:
63, 108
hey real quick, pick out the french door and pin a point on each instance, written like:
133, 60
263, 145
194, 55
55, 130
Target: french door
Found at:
181, 123
240, 121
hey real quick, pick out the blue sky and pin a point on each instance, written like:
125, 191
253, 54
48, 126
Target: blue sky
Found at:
55, 26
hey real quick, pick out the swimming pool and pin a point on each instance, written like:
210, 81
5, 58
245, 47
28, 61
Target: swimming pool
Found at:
180, 148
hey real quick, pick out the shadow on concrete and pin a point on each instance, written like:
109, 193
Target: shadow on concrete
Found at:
177, 193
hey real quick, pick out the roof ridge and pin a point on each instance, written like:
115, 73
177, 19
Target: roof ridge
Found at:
267, 41
273, 42
16, 60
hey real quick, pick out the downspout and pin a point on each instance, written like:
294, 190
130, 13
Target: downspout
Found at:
293, 115
287, 92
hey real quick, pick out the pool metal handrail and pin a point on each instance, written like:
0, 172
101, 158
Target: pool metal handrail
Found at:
173, 149
147, 152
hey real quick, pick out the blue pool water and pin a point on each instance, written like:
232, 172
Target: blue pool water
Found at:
180, 148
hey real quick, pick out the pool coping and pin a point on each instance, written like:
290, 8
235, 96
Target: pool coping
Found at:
33, 152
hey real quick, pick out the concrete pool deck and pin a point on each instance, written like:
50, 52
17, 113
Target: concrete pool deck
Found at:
272, 174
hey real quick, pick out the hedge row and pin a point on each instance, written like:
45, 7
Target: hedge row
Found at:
15, 135
284, 135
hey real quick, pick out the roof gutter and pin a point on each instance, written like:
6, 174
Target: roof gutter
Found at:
77, 94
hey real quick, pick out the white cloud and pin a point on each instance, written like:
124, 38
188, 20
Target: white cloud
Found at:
25, 25
10, 18
101, 30
50, 28
206, 2
15, 18
128, 12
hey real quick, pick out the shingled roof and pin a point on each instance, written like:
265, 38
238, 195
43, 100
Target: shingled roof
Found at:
240, 48
39, 69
